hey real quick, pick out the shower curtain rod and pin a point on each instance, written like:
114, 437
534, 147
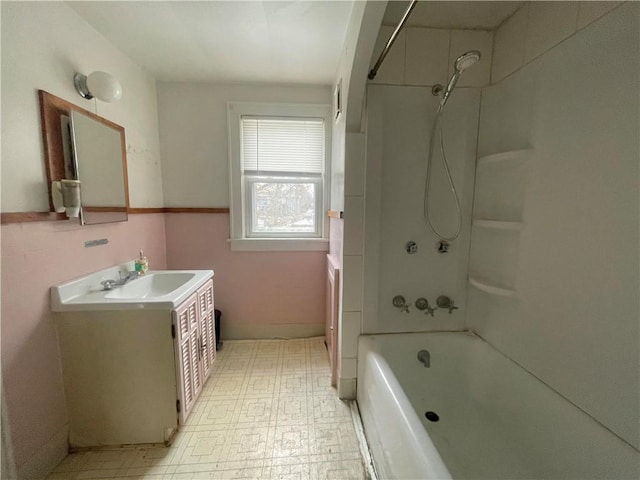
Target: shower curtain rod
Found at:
392, 38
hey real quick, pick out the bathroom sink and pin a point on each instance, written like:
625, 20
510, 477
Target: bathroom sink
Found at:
157, 290
153, 284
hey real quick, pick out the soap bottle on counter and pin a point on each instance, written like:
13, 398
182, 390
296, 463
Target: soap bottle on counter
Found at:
142, 264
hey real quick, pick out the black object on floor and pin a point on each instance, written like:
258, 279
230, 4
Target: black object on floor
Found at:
218, 314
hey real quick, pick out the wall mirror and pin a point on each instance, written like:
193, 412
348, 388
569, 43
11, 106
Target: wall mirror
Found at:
80, 145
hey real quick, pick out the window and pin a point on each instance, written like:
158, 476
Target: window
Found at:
278, 164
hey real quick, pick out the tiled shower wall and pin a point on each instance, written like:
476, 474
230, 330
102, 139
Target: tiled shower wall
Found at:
426, 56
352, 254
397, 143
420, 57
537, 27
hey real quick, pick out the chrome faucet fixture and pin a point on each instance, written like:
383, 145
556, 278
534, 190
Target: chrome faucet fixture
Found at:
424, 357
445, 302
399, 302
422, 304
111, 284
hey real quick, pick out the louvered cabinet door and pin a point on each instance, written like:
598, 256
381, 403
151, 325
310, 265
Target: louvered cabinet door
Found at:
207, 328
187, 358
205, 297
196, 353
211, 335
208, 342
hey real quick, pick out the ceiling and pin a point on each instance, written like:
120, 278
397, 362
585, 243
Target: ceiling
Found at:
226, 41
452, 14
296, 41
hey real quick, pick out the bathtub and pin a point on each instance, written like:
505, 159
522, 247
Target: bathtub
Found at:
496, 420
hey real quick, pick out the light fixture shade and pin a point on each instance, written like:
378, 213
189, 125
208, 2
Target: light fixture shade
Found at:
104, 86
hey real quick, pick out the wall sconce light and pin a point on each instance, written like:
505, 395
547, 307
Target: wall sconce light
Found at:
101, 85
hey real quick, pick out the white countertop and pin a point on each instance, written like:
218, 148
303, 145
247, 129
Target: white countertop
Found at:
87, 293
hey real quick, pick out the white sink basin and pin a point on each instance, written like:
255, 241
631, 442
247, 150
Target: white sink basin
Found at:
153, 284
158, 290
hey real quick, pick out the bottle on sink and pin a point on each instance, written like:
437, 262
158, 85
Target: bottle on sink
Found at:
142, 264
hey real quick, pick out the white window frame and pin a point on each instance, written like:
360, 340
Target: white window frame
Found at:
241, 238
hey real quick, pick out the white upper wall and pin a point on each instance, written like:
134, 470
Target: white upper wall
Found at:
194, 137
43, 45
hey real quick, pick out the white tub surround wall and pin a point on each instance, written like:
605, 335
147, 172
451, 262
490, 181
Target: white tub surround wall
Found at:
399, 122
566, 309
400, 114
537, 27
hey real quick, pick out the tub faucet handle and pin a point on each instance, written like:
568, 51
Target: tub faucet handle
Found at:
400, 302
445, 302
422, 304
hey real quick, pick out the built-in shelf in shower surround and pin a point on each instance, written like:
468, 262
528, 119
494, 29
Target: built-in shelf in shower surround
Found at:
501, 179
498, 224
494, 255
487, 287
500, 185
508, 156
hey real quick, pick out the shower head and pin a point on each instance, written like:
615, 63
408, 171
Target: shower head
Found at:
463, 62
466, 60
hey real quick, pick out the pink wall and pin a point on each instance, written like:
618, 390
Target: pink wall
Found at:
36, 256
251, 288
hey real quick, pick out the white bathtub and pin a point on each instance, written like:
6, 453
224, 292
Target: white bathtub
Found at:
496, 421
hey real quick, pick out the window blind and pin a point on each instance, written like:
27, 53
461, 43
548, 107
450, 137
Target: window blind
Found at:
283, 145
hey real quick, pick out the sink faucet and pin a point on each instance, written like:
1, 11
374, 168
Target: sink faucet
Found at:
110, 284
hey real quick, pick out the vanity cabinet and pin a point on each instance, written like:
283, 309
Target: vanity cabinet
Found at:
132, 376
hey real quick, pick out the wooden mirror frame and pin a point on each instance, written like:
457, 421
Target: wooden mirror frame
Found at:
51, 108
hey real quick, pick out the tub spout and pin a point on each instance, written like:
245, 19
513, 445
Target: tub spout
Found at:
425, 358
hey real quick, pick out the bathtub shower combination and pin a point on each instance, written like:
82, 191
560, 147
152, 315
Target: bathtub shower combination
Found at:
459, 399
448, 405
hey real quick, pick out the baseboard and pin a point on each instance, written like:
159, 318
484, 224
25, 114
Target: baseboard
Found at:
248, 331
47, 457
347, 388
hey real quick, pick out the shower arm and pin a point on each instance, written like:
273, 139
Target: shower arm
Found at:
392, 38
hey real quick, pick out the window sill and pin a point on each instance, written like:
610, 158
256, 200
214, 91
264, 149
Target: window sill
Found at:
279, 244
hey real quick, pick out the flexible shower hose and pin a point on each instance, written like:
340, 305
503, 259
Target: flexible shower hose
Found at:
439, 121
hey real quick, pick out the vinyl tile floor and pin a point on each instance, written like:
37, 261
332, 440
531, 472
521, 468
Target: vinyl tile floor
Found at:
267, 411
